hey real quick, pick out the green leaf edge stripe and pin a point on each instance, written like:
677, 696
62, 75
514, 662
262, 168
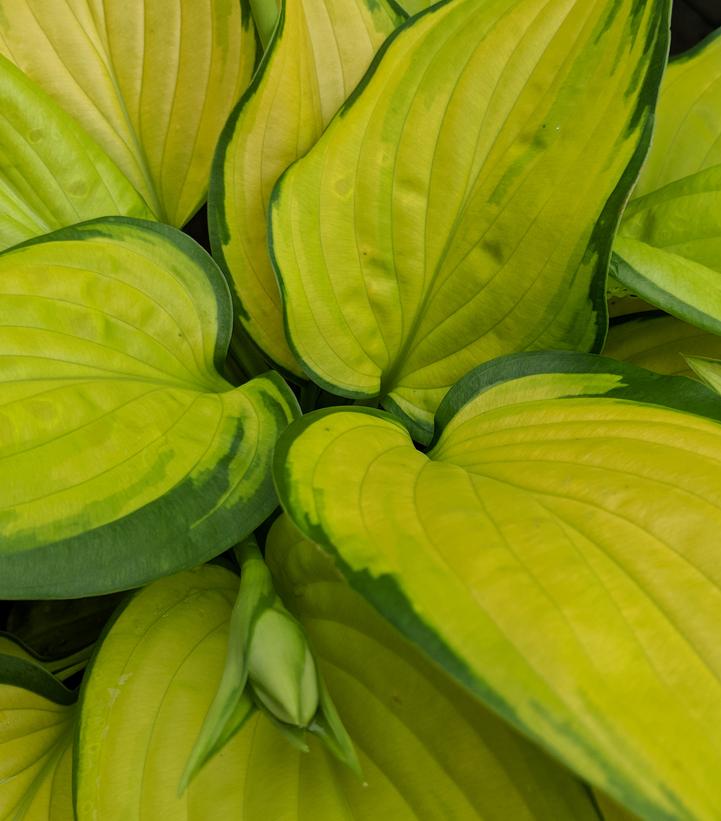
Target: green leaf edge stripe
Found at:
602, 237
211, 537
700, 47
639, 385
184, 243
167, 554
18, 672
218, 228
642, 286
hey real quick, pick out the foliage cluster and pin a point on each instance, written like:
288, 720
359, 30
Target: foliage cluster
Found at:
366, 513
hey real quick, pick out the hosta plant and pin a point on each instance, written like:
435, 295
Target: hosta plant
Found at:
331, 509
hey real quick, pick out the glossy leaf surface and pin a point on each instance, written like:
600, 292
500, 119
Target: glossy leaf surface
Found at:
151, 82
318, 54
556, 551
37, 719
462, 203
53, 174
123, 452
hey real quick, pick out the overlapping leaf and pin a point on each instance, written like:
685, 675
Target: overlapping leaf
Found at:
319, 52
123, 452
462, 203
52, 173
669, 244
660, 343
427, 750
151, 82
556, 550
687, 134
37, 719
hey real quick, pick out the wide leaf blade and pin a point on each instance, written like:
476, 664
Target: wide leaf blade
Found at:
159, 666
123, 452
556, 551
462, 204
418, 734
151, 82
318, 53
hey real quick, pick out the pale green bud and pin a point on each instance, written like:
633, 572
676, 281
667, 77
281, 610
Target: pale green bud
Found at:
281, 669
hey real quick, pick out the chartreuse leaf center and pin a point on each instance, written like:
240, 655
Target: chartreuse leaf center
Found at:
152, 84
318, 53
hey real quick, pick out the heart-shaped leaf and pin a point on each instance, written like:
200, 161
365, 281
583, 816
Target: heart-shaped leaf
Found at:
151, 82
556, 551
52, 174
36, 743
462, 203
318, 53
123, 452
660, 343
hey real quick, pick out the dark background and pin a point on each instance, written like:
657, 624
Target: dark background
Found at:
691, 21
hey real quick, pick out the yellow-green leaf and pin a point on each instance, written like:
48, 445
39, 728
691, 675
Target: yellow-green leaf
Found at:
462, 203
144, 700
37, 721
660, 343
687, 134
124, 454
53, 174
669, 245
556, 551
415, 6
151, 82
427, 749
319, 52
668, 249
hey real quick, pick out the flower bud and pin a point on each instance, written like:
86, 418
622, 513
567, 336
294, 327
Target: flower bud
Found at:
281, 669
